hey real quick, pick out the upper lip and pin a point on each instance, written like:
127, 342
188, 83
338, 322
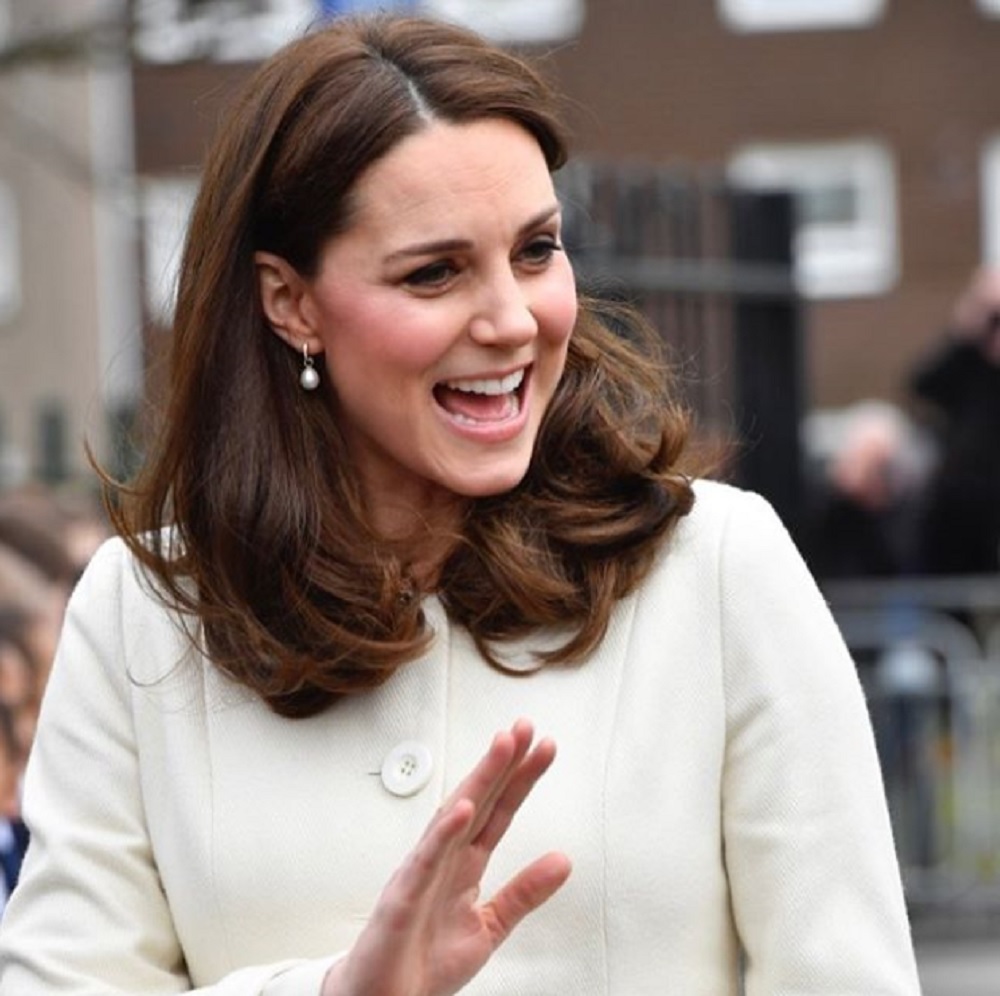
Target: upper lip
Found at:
501, 382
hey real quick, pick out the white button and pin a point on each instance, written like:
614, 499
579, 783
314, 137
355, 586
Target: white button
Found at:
407, 768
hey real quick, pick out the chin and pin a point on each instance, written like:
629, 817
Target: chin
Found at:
490, 485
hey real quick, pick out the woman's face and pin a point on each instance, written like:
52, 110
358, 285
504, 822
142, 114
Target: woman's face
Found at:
444, 314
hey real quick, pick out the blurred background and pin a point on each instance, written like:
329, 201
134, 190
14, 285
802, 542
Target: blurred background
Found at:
804, 195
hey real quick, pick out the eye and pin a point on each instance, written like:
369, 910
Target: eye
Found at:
540, 250
433, 275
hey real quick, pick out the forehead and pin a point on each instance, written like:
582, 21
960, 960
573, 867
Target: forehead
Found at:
492, 168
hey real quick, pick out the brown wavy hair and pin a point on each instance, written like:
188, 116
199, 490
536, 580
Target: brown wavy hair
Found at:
269, 545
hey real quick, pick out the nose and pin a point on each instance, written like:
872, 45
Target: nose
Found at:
503, 315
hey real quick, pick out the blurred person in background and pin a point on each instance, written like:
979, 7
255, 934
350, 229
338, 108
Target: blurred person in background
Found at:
13, 834
411, 488
46, 540
958, 385
22, 670
22, 677
33, 594
868, 467
25, 591
56, 533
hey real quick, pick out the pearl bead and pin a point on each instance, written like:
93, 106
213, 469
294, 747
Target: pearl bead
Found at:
309, 378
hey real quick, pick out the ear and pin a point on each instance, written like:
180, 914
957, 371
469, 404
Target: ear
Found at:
284, 297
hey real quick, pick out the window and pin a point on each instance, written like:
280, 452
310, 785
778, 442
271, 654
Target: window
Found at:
846, 241
248, 30
10, 255
791, 15
4, 20
228, 30
991, 201
989, 7
513, 21
166, 208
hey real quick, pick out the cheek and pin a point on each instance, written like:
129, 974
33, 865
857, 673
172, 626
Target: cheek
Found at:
381, 339
559, 320
557, 309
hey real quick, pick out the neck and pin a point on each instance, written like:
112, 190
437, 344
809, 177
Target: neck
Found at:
422, 540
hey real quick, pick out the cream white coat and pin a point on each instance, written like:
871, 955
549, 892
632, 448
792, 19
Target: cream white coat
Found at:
716, 788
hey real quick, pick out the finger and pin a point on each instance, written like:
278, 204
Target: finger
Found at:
523, 894
522, 733
421, 870
477, 784
487, 780
458, 818
522, 781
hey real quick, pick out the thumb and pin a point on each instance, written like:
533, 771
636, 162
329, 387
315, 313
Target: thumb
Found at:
524, 893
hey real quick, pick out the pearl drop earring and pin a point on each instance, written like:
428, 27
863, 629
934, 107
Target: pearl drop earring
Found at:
309, 378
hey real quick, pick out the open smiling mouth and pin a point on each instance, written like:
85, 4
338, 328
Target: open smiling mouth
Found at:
482, 401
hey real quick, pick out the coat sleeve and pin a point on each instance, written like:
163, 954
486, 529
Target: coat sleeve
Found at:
943, 377
816, 890
89, 916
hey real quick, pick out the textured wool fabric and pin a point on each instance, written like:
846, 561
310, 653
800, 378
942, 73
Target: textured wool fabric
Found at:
716, 788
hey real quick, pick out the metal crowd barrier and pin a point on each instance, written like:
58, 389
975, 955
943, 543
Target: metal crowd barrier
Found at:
928, 654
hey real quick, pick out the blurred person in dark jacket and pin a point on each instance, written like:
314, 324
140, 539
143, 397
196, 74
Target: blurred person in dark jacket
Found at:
868, 467
959, 383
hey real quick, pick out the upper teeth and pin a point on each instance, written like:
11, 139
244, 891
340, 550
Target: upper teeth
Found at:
492, 385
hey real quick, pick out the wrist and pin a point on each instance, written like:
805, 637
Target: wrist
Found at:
333, 981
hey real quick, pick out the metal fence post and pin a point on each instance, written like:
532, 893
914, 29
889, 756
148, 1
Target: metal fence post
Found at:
769, 389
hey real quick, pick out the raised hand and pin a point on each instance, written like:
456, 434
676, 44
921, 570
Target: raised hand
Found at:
978, 304
429, 934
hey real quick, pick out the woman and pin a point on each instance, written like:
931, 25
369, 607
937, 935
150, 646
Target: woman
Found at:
409, 490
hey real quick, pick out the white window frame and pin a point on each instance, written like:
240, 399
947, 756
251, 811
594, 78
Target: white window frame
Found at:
798, 15
513, 22
166, 204
834, 259
990, 200
10, 255
168, 31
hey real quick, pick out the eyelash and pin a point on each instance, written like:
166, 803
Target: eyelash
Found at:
542, 248
537, 252
432, 275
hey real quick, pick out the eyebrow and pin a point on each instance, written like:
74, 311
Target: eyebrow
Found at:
452, 245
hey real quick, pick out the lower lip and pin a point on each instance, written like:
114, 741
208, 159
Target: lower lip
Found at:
494, 432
